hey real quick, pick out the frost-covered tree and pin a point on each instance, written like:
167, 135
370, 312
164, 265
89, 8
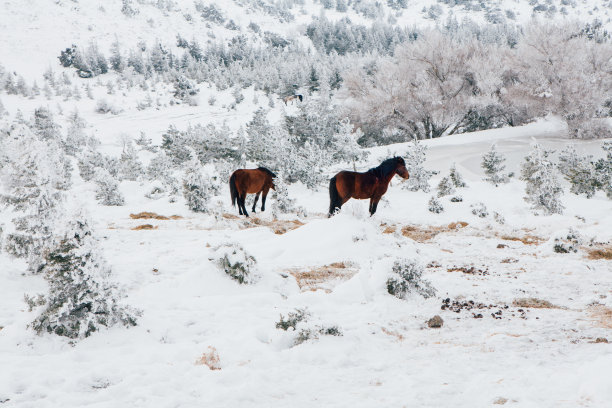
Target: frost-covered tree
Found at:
146, 143
603, 169
107, 188
415, 160
198, 188
35, 175
81, 298
446, 187
579, 171
75, 134
492, 163
130, 166
281, 202
456, 177
542, 183
44, 126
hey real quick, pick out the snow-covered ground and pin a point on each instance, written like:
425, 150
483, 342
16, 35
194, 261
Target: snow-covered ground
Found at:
494, 347
386, 356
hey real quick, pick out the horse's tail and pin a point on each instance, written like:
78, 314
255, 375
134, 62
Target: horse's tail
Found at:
335, 202
233, 189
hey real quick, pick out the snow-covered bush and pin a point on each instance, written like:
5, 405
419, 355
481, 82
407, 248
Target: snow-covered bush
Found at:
81, 298
237, 263
568, 242
456, 199
492, 163
297, 322
499, 218
419, 176
480, 210
446, 187
406, 278
292, 319
107, 188
435, 206
542, 183
146, 143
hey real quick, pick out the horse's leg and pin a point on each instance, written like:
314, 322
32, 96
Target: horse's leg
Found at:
374, 206
239, 201
242, 201
255, 202
370, 206
263, 198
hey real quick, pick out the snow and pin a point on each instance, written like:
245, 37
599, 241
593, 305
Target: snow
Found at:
386, 356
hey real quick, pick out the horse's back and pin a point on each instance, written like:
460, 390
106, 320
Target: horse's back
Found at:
251, 181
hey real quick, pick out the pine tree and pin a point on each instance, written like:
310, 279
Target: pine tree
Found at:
130, 167
44, 126
542, 184
75, 135
446, 187
492, 163
107, 191
198, 189
81, 298
456, 178
281, 202
36, 175
415, 159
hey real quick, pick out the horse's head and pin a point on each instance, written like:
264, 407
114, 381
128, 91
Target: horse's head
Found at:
400, 168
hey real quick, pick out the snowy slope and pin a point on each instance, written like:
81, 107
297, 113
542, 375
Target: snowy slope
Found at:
520, 356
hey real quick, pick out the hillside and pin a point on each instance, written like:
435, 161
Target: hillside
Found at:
127, 277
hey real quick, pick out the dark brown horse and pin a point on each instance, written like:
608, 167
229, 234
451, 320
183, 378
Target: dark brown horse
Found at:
372, 184
250, 181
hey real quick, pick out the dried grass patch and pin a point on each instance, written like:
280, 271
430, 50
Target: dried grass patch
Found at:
601, 316
278, 226
422, 234
323, 277
398, 336
527, 239
388, 229
600, 253
145, 227
533, 303
210, 359
145, 215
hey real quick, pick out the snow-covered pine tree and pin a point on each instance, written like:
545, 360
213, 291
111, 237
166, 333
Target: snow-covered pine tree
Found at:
603, 170
44, 126
130, 167
146, 143
579, 171
198, 188
281, 202
35, 173
107, 188
456, 177
542, 183
415, 159
75, 135
446, 187
81, 298
492, 163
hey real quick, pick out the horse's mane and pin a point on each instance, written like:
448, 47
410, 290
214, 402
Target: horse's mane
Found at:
385, 167
267, 171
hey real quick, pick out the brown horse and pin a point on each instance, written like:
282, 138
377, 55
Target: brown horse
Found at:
250, 181
291, 98
372, 184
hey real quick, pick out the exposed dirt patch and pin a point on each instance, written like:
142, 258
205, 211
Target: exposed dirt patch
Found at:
210, 359
469, 269
388, 229
145, 227
527, 239
601, 315
278, 226
422, 234
600, 253
533, 303
323, 277
398, 336
145, 215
